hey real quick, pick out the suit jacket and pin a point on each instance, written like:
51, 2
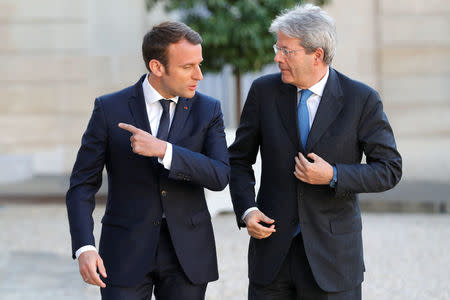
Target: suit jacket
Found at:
349, 122
140, 189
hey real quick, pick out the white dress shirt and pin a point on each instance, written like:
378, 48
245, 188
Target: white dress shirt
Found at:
154, 112
313, 104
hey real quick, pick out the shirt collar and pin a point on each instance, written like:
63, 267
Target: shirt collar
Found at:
318, 88
151, 95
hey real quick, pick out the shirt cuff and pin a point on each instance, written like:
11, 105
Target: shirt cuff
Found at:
166, 161
247, 211
84, 249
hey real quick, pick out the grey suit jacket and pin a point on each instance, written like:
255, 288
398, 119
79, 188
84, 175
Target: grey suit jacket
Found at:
349, 122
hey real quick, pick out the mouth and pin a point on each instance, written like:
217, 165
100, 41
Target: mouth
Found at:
192, 87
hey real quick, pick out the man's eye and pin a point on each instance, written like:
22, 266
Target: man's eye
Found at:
187, 67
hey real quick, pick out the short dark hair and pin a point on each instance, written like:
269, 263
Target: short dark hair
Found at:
158, 39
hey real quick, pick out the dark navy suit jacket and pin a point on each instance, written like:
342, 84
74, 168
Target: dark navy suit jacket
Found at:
349, 122
140, 189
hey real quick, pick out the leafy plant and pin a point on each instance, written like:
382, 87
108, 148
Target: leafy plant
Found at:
234, 32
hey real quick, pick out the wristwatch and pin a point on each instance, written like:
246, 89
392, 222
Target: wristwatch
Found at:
333, 180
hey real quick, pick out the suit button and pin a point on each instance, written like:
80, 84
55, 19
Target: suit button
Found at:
163, 193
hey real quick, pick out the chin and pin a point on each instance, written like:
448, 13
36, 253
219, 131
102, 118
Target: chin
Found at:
286, 79
188, 94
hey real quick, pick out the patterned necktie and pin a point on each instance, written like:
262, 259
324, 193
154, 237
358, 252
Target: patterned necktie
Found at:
164, 122
303, 116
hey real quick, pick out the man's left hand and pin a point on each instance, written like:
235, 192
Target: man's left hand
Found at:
316, 172
143, 143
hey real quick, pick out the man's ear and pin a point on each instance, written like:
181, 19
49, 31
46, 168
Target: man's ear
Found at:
318, 55
156, 67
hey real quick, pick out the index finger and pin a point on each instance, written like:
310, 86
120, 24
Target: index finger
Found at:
313, 156
263, 229
303, 160
101, 268
129, 128
260, 216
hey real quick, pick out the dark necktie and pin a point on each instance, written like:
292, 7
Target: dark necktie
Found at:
303, 116
164, 122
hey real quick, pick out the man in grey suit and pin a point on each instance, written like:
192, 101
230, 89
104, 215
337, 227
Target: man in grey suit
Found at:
312, 126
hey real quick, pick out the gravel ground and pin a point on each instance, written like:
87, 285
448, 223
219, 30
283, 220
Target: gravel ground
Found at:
407, 256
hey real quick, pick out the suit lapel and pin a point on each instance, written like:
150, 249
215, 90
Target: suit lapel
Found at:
329, 107
287, 108
138, 108
182, 110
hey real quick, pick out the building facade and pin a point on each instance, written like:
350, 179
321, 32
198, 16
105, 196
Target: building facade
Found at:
56, 56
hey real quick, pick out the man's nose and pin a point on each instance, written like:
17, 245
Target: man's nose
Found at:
278, 57
198, 74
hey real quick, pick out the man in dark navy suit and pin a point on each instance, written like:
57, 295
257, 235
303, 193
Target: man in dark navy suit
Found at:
162, 143
312, 126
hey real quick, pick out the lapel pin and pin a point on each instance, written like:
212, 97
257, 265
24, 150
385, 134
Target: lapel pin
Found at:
186, 108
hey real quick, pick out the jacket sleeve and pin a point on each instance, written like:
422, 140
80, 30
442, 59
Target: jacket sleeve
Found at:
210, 168
86, 180
243, 154
383, 167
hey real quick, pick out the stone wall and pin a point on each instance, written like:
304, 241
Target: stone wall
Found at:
402, 49
56, 56
415, 83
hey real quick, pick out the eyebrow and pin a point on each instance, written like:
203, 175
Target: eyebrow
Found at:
191, 63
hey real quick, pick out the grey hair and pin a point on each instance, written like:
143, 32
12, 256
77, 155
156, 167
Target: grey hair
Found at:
312, 25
